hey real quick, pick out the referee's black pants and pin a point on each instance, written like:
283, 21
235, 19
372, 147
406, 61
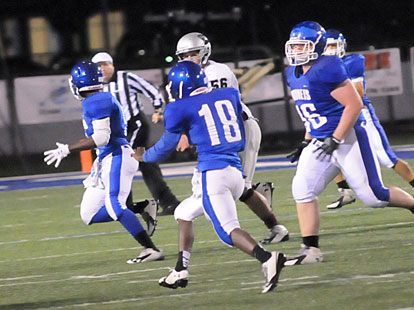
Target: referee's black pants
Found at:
138, 135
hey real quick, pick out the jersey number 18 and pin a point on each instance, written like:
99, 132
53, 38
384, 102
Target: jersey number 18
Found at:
225, 122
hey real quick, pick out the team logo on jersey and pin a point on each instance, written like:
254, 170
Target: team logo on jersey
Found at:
301, 94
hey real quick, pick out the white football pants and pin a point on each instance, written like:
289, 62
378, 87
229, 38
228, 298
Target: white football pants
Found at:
117, 172
249, 155
357, 160
214, 193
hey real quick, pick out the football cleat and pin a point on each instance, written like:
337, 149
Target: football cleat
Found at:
175, 279
147, 255
276, 234
169, 210
271, 269
266, 189
149, 214
346, 197
307, 255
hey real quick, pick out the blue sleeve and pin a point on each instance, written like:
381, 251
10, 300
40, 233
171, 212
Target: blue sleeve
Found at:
356, 66
162, 148
333, 71
174, 117
99, 109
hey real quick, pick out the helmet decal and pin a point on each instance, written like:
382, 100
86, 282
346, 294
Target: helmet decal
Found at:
186, 79
306, 43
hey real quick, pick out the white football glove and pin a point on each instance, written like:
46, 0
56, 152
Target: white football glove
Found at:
56, 155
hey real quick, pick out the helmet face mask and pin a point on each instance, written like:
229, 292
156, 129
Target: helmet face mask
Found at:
194, 42
186, 79
311, 36
300, 52
74, 90
193, 56
335, 43
85, 76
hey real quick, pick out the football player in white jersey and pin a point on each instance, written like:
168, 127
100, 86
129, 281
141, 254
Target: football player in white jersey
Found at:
196, 47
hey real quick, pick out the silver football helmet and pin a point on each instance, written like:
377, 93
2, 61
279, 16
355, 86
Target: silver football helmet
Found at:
194, 41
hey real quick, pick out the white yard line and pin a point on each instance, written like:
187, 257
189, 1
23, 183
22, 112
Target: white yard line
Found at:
20, 278
300, 281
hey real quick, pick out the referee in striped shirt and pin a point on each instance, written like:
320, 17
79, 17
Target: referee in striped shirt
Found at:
126, 87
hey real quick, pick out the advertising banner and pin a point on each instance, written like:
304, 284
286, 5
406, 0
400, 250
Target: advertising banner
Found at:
383, 72
46, 99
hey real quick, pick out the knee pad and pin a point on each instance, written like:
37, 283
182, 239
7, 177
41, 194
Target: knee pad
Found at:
189, 209
86, 216
300, 191
246, 195
373, 202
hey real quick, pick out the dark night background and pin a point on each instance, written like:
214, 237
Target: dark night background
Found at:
252, 23
238, 30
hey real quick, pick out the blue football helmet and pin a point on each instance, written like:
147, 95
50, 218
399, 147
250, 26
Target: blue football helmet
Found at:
335, 43
186, 79
85, 76
306, 43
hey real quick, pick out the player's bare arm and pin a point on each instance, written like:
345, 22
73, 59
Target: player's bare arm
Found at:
85, 144
347, 95
359, 86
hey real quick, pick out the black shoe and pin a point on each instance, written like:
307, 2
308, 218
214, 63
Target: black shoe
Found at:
167, 211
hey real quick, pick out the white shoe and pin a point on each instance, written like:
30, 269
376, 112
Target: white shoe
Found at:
149, 214
346, 196
266, 189
271, 269
147, 255
175, 279
307, 255
276, 234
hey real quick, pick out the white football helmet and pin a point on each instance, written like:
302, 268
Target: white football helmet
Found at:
194, 41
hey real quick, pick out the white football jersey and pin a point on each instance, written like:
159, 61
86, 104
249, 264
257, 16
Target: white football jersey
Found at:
220, 76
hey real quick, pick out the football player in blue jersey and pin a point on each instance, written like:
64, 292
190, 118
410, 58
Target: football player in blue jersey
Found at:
355, 64
337, 139
213, 122
195, 46
110, 181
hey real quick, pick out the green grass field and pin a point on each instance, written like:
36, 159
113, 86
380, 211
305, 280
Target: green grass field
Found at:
50, 260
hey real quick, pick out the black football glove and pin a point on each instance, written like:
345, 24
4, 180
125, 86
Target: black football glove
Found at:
329, 145
294, 156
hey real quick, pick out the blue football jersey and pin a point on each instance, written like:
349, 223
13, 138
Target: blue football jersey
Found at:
102, 105
213, 122
319, 111
355, 64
